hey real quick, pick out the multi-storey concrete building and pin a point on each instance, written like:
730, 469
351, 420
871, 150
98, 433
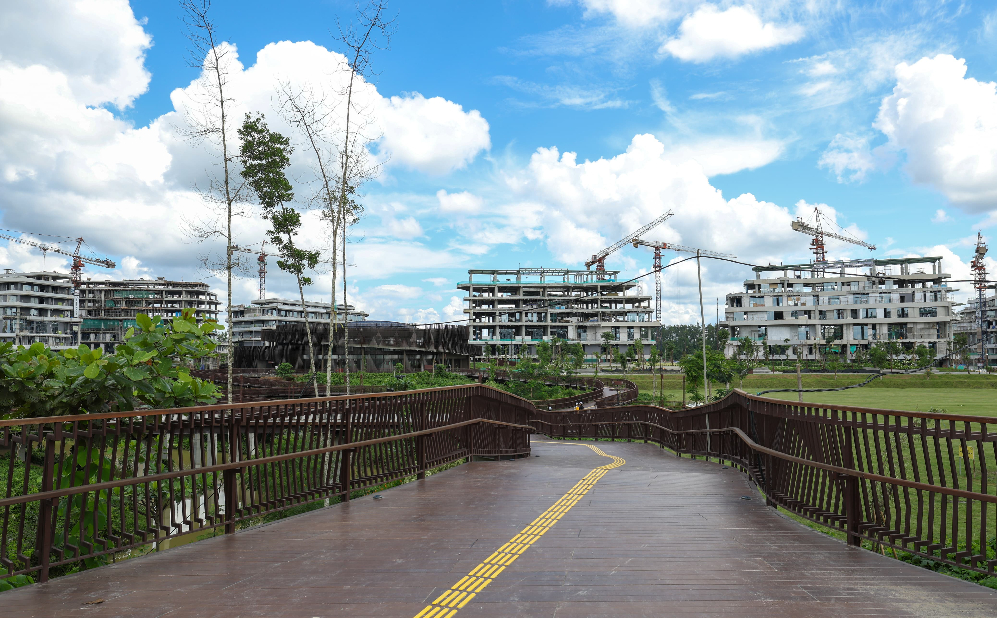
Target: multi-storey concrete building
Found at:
968, 322
109, 307
38, 308
848, 305
249, 321
517, 308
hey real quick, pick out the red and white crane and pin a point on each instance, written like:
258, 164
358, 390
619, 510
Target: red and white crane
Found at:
76, 271
816, 230
599, 259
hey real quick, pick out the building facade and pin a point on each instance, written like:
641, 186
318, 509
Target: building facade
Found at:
968, 322
516, 309
250, 321
848, 306
37, 307
109, 308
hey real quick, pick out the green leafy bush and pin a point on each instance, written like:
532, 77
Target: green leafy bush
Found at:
15, 582
284, 370
150, 368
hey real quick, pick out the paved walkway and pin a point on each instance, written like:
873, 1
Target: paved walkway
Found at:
656, 536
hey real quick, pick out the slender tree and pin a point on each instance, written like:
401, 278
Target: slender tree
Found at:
371, 32
265, 156
207, 120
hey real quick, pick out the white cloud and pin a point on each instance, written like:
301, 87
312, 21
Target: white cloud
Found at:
396, 291
463, 202
587, 206
99, 47
941, 216
431, 135
822, 68
437, 281
636, 13
454, 309
405, 229
710, 33
850, 158
947, 126
727, 155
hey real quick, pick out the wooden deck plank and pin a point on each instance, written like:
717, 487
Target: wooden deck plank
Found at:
658, 536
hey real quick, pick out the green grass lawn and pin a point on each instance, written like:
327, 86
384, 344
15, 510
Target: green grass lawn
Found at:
954, 393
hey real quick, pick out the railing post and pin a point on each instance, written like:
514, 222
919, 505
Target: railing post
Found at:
231, 499
43, 542
852, 510
420, 444
345, 460
769, 482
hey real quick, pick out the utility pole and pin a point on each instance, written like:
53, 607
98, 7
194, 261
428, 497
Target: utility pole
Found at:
702, 321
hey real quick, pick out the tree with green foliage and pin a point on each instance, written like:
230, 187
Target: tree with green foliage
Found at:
151, 368
961, 348
925, 356
607, 345
265, 157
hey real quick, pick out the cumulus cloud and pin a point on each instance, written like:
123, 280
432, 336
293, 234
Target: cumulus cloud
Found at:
454, 309
710, 33
431, 135
946, 124
588, 205
463, 202
851, 158
941, 216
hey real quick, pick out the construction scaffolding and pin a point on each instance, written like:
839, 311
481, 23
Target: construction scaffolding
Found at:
374, 346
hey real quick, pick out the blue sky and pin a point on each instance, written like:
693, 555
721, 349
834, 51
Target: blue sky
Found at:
737, 116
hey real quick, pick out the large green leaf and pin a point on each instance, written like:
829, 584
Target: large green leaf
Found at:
92, 370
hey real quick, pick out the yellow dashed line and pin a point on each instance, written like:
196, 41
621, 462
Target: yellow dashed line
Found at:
461, 593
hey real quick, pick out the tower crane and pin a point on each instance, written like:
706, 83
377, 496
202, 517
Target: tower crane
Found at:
599, 259
979, 269
262, 261
817, 231
76, 271
662, 246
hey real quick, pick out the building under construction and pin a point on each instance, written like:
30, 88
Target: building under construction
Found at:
37, 307
847, 306
109, 308
516, 309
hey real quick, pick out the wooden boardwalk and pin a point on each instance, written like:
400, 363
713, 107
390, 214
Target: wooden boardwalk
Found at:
657, 536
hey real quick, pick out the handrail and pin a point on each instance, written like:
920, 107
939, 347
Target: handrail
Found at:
115, 481
920, 482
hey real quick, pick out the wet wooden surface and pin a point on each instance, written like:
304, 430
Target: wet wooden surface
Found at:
660, 536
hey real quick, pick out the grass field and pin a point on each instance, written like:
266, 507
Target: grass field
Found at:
954, 393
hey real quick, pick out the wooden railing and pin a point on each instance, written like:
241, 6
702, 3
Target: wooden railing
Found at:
91, 487
919, 482
626, 392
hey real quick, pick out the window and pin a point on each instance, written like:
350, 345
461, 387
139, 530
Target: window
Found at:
860, 299
902, 312
645, 333
616, 333
855, 314
869, 313
793, 301
763, 332
834, 300
777, 301
583, 333
885, 298
886, 312
822, 315
560, 332
803, 333
859, 332
630, 333
816, 300
735, 301
778, 315
756, 301
928, 312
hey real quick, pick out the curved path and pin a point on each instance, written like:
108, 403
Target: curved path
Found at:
553, 535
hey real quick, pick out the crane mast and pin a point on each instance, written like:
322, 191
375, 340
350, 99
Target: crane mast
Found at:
979, 269
818, 235
261, 261
662, 246
599, 259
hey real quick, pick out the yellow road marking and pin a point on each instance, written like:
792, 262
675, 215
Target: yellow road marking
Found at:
485, 573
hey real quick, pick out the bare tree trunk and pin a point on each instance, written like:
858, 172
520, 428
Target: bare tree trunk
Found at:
308, 333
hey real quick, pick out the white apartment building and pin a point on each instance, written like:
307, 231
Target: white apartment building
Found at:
249, 321
37, 307
517, 308
848, 305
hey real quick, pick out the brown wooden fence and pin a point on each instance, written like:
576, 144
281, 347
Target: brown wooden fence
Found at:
91, 486
918, 482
